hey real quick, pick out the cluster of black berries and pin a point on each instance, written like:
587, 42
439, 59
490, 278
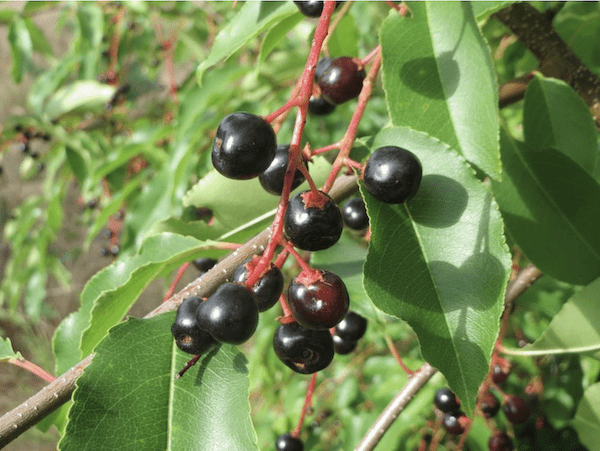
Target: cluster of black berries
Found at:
455, 420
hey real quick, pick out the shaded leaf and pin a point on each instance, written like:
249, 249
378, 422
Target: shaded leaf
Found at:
440, 262
587, 418
555, 116
344, 39
129, 395
550, 208
78, 163
276, 34
39, 41
429, 82
575, 329
252, 19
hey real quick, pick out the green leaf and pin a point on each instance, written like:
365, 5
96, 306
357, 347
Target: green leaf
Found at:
344, 39
550, 208
38, 39
440, 262
49, 81
21, 48
276, 34
78, 163
482, 10
431, 63
79, 95
129, 396
575, 329
6, 350
91, 21
555, 116
110, 292
6, 16
587, 418
252, 19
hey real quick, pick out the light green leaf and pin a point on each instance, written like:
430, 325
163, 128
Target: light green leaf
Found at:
575, 329
482, 10
78, 162
429, 82
6, 350
21, 48
129, 396
587, 418
252, 19
79, 95
440, 262
555, 116
550, 208
49, 81
344, 39
276, 34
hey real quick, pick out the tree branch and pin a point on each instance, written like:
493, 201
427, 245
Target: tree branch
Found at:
54, 395
515, 288
534, 29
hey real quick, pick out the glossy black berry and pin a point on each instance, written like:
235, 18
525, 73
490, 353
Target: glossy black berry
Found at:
454, 422
305, 351
342, 80
446, 401
489, 405
188, 336
318, 299
204, 264
500, 441
354, 214
286, 442
341, 346
352, 327
267, 289
230, 314
272, 179
392, 174
318, 106
313, 221
244, 146
312, 8
516, 409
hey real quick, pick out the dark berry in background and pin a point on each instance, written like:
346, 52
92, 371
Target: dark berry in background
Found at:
188, 336
446, 401
354, 214
342, 80
267, 289
272, 179
318, 106
204, 264
352, 327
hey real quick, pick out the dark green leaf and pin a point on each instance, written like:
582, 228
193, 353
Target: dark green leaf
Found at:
555, 116
587, 418
252, 19
6, 16
550, 208
440, 262
129, 396
429, 78
21, 48
482, 10
78, 164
